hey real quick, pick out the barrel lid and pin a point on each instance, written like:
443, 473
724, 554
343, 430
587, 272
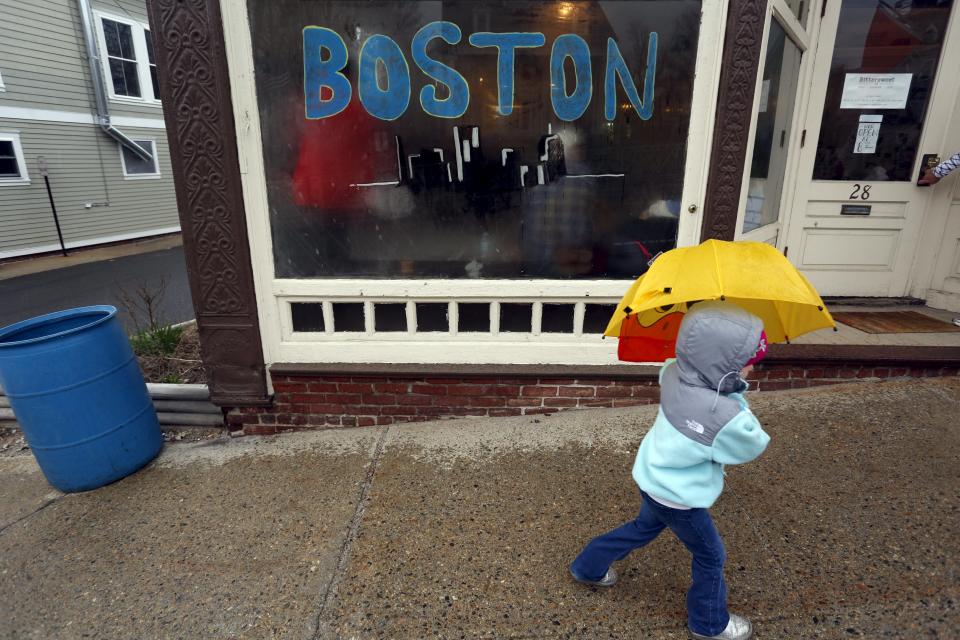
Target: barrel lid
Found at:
98, 314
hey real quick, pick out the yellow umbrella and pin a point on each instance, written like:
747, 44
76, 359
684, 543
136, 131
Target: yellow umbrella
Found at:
752, 275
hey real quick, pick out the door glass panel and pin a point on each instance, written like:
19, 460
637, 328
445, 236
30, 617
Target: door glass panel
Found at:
778, 92
881, 77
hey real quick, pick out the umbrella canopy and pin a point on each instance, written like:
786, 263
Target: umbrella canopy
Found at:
752, 275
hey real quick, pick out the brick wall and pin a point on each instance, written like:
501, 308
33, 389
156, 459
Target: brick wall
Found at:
322, 401
314, 401
778, 377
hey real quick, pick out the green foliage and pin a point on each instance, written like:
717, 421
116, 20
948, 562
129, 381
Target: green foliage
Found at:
172, 378
159, 341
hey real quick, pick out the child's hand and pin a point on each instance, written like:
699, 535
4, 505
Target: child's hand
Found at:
747, 370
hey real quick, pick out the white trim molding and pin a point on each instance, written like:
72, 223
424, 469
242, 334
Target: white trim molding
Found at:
706, 88
75, 117
3, 87
24, 177
137, 123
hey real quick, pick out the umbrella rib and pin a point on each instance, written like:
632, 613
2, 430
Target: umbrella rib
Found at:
783, 324
716, 262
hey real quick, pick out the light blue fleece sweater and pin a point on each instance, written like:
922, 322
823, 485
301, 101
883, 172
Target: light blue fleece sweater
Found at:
704, 422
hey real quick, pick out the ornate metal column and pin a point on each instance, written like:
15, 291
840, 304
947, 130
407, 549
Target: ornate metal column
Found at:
738, 79
195, 89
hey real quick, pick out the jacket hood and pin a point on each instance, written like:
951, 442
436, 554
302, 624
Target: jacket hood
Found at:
715, 341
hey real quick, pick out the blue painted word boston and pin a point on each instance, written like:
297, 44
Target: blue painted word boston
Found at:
327, 90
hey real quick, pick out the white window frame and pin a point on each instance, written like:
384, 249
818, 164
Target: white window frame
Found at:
142, 59
146, 30
153, 152
14, 137
3, 87
274, 295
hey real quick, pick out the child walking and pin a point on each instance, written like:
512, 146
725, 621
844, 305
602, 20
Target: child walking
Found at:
704, 423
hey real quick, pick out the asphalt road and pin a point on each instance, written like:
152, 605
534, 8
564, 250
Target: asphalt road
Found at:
103, 282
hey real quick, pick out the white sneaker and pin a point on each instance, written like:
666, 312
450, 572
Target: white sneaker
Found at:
608, 580
738, 628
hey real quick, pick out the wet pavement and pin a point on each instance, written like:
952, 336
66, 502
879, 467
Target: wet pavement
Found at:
846, 527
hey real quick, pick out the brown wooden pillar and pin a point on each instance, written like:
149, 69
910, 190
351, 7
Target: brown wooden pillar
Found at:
738, 79
195, 89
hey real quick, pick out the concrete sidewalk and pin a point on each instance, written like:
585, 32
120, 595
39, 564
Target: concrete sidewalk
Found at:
849, 526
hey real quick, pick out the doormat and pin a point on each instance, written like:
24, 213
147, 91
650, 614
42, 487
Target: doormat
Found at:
894, 322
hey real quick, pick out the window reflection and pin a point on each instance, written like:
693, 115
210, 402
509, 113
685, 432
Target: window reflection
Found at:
484, 195
883, 38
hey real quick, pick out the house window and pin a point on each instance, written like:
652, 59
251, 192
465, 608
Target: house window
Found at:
13, 169
128, 60
154, 82
136, 167
121, 58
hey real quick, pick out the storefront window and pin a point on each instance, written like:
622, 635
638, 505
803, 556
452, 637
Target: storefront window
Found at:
501, 139
883, 68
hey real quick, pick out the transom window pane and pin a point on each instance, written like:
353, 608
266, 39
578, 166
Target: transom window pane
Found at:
597, 316
135, 165
881, 76
557, 318
348, 316
474, 317
393, 154
432, 316
9, 167
122, 58
516, 317
307, 316
390, 317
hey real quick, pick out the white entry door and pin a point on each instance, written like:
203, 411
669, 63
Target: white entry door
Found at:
882, 71
944, 225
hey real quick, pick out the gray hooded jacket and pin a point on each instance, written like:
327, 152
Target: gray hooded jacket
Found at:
704, 421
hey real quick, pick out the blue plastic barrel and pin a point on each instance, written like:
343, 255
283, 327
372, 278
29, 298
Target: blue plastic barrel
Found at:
77, 392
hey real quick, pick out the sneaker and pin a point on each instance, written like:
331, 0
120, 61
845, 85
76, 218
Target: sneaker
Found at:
607, 580
737, 629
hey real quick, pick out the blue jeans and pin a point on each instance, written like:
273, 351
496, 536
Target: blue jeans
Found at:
707, 597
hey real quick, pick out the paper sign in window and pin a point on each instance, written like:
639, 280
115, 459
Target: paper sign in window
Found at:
875, 90
867, 133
